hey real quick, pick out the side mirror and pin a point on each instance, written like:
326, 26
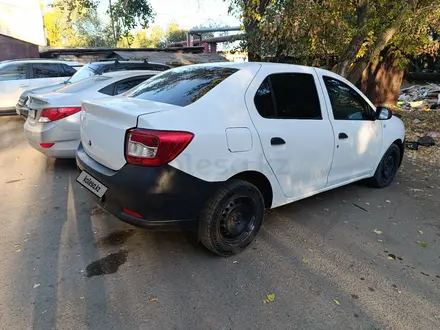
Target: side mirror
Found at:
383, 113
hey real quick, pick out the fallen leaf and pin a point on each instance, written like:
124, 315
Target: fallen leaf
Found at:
420, 231
153, 299
36, 285
235, 261
367, 203
271, 297
390, 258
421, 244
377, 231
304, 260
336, 301
388, 201
326, 210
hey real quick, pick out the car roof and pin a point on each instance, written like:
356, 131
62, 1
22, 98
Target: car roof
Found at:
129, 73
40, 60
121, 62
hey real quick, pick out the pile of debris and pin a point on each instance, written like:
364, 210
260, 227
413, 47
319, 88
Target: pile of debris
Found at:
420, 98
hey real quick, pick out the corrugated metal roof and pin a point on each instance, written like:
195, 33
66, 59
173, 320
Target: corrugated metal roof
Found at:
173, 59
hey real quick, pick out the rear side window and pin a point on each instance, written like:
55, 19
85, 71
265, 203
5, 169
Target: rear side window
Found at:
181, 86
13, 72
123, 86
46, 70
288, 96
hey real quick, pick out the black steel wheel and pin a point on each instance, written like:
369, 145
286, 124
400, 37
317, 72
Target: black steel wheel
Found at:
232, 218
387, 169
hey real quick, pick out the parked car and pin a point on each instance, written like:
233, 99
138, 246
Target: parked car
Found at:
212, 146
88, 70
18, 75
52, 126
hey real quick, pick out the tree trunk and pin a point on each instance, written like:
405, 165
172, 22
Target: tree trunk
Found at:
251, 26
356, 42
358, 68
381, 81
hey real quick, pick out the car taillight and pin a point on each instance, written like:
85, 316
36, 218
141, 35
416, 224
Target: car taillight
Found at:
154, 148
52, 114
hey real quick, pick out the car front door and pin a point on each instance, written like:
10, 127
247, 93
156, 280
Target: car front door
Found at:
46, 74
289, 114
13, 81
357, 136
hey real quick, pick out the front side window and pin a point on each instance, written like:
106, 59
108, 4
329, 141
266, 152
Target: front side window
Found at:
288, 96
13, 72
181, 86
46, 70
346, 103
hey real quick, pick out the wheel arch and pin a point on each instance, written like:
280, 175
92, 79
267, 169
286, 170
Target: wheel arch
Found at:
260, 181
401, 146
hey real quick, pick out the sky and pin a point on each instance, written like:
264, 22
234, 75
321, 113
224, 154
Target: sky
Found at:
187, 13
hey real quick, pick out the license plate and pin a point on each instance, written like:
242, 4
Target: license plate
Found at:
88, 181
33, 113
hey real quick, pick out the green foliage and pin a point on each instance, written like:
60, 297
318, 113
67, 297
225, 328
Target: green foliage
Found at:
174, 33
74, 23
127, 15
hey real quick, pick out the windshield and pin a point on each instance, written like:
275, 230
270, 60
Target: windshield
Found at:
86, 71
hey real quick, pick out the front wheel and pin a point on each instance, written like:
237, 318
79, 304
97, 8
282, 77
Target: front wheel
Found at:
387, 169
231, 218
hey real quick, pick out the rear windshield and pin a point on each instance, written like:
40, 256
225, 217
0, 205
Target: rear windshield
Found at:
181, 86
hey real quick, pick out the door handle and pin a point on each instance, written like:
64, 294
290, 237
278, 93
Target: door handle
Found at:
342, 136
276, 141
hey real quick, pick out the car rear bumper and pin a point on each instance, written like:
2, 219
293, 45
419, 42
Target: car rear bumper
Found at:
7, 111
165, 197
65, 142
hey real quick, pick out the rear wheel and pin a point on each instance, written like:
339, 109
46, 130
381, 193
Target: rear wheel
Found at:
231, 218
387, 169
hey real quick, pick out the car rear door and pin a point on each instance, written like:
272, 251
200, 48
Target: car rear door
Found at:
357, 136
290, 116
46, 74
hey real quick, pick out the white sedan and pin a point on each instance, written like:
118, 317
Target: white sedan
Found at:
212, 146
52, 125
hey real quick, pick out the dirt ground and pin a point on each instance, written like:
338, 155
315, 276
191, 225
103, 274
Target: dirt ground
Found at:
352, 258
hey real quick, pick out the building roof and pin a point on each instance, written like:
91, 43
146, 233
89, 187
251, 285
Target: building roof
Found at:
169, 58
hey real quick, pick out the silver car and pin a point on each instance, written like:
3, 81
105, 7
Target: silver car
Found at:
53, 123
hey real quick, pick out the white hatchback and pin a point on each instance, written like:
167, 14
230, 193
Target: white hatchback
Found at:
212, 146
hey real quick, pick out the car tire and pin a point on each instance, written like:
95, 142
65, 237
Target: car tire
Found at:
231, 218
387, 169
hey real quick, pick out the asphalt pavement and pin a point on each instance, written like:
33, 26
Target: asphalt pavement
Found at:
352, 258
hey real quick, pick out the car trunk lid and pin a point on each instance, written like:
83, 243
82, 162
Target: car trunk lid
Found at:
104, 125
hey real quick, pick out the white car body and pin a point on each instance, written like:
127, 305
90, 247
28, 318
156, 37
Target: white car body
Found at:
231, 138
16, 76
64, 133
